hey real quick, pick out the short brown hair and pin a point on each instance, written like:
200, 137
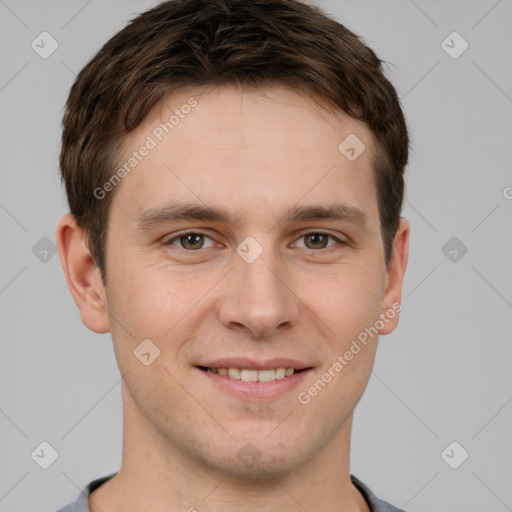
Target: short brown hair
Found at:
189, 43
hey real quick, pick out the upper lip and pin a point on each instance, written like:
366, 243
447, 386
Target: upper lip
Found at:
251, 364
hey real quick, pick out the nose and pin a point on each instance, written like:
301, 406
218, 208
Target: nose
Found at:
256, 299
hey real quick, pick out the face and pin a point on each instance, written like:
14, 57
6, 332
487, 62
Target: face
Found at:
246, 242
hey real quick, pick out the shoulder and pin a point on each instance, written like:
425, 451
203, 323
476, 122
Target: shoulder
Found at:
375, 504
82, 502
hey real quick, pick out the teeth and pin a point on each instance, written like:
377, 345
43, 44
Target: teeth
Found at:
280, 372
234, 373
266, 375
254, 375
249, 375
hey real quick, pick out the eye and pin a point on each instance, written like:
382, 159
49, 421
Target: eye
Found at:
318, 240
190, 241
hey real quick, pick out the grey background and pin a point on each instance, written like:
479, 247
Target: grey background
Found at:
442, 376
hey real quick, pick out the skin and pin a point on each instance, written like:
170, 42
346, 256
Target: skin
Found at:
254, 153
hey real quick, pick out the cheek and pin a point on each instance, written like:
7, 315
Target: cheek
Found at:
347, 299
349, 305
153, 301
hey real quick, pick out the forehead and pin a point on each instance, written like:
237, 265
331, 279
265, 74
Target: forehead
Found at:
242, 147
230, 114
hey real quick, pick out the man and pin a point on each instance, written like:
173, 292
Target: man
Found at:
234, 170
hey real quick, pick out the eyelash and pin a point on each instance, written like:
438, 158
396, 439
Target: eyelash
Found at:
326, 250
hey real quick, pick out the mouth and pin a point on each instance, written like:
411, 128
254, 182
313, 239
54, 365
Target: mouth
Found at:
248, 380
254, 375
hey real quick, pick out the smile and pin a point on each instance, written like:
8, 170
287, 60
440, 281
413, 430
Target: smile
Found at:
267, 375
254, 384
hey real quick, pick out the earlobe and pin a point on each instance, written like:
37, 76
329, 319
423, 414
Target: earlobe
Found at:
82, 275
391, 304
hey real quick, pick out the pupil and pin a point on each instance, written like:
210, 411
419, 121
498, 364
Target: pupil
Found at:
192, 239
317, 238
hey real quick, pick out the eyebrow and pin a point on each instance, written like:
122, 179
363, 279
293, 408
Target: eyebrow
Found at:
173, 212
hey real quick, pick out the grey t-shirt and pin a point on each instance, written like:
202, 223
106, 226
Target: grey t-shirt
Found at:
82, 502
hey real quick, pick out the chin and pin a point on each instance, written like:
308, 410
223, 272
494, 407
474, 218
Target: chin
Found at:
255, 460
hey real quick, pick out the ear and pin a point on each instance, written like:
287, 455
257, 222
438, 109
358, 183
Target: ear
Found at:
391, 304
82, 274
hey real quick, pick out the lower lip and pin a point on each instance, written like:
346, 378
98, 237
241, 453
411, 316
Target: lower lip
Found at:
256, 390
